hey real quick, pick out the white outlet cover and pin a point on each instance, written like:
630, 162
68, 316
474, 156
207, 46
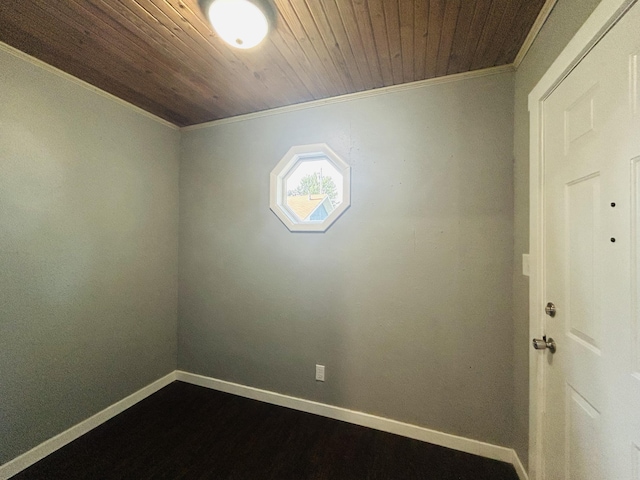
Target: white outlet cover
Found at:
320, 373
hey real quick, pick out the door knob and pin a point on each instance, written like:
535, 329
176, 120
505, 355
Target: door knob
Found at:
544, 344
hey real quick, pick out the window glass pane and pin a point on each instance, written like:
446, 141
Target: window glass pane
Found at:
314, 189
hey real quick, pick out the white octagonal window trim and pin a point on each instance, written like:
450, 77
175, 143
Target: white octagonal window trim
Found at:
310, 188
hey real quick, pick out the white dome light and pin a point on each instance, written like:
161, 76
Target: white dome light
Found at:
240, 23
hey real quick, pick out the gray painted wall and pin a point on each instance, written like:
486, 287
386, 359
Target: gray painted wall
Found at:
88, 253
565, 20
405, 299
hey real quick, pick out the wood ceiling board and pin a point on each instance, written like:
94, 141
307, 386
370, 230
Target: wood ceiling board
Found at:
130, 52
244, 73
338, 76
163, 56
520, 30
449, 29
364, 30
434, 28
283, 41
475, 33
167, 15
406, 12
392, 24
344, 39
69, 42
289, 17
48, 54
64, 55
502, 33
327, 18
491, 23
200, 65
198, 72
264, 62
461, 38
421, 20
378, 25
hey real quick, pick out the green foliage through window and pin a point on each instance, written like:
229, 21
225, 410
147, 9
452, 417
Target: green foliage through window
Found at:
315, 184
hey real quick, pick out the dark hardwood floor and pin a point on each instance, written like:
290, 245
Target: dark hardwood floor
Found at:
190, 432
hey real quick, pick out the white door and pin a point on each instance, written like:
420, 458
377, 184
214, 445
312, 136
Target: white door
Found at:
591, 401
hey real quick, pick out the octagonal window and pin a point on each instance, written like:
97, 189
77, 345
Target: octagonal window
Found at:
310, 188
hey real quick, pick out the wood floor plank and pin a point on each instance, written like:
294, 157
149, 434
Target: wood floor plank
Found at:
190, 432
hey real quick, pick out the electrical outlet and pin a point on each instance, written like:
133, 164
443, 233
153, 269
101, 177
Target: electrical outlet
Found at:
320, 373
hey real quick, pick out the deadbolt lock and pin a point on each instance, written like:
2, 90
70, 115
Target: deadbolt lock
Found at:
550, 309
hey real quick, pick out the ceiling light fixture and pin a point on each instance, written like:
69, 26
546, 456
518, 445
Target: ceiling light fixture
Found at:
240, 23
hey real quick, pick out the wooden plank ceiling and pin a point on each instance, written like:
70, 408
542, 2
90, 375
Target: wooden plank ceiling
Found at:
163, 56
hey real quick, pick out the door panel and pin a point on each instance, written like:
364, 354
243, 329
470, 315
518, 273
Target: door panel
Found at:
579, 118
583, 422
583, 279
591, 208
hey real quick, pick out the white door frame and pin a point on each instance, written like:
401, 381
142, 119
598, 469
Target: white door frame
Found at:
597, 25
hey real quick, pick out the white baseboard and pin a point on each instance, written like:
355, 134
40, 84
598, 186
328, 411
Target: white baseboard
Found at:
517, 464
462, 444
46, 448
